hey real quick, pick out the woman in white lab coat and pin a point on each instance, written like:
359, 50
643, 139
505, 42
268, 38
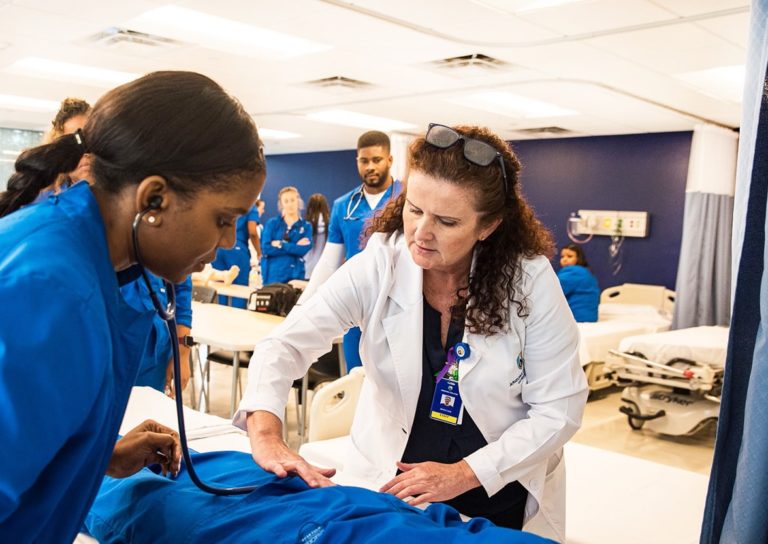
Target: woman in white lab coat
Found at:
473, 383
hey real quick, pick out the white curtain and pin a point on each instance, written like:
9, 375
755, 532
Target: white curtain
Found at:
704, 270
399, 147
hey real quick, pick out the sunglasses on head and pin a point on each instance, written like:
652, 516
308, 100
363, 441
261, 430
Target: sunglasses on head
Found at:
475, 151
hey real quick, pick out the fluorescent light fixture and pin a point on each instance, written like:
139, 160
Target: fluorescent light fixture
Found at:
67, 71
511, 105
722, 82
12, 153
520, 6
359, 120
7, 160
222, 34
12, 102
272, 134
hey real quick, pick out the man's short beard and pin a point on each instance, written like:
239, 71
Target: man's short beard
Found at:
381, 180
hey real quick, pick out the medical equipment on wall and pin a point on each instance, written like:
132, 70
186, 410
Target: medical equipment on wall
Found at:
168, 314
616, 224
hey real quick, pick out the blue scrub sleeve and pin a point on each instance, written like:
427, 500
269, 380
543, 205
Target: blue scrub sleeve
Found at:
271, 232
52, 364
184, 303
335, 234
295, 249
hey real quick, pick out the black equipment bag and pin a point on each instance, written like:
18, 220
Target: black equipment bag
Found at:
275, 298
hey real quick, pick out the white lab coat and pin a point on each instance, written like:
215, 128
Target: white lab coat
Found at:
525, 419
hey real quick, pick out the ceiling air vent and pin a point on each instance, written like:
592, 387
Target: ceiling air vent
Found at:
476, 63
339, 84
544, 131
131, 40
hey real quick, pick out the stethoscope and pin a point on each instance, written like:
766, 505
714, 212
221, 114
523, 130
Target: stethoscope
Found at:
168, 314
352, 208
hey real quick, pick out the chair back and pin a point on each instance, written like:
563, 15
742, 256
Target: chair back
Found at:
333, 406
204, 294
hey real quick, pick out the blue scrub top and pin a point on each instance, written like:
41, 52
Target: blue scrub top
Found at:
349, 214
158, 353
581, 292
285, 263
70, 348
239, 255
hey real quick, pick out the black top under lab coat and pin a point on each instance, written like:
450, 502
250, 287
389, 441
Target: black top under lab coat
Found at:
432, 440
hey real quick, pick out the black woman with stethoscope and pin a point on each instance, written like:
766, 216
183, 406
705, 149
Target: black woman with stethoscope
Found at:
174, 160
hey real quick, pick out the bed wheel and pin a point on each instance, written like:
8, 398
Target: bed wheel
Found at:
635, 418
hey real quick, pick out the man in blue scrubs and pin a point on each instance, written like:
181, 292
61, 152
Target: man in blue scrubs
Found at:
240, 255
349, 215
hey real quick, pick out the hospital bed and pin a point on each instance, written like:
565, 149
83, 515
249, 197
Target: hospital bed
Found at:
625, 310
148, 507
672, 380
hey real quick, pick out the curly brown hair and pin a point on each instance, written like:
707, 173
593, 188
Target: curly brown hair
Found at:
69, 109
497, 272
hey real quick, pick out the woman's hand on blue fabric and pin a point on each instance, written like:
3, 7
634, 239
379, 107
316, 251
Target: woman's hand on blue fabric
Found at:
273, 455
303, 242
431, 482
148, 444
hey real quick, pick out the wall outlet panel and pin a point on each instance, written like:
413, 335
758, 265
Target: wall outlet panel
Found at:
611, 223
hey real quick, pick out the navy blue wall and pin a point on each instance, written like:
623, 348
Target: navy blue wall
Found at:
332, 173
644, 172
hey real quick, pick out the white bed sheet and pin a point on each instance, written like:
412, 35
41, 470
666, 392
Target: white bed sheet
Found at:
598, 338
205, 432
706, 345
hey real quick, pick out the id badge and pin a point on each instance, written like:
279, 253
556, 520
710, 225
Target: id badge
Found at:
446, 402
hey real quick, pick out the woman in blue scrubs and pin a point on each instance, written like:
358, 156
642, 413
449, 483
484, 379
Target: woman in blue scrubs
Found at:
579, 284
240, 255
285, 240
174, 161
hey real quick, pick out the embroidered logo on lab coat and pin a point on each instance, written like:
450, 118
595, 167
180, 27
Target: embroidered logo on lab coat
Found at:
521, 376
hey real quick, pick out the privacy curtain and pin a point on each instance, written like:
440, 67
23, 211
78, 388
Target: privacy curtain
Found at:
399, 144
738, 487
704, 271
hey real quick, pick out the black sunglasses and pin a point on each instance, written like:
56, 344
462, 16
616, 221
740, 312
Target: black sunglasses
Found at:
475, 151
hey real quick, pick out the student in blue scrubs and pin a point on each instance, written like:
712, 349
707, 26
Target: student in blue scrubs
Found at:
174, 161
240, 255
349, 215
285, 240
156, 369
579, 284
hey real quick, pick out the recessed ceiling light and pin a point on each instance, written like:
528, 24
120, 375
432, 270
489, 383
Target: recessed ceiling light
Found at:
511, 105
12, 102
67, 71
221, 34
272, 134
722, 82
359, 120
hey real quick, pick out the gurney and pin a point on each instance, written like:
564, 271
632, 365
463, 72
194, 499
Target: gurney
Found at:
672, 380
625, 310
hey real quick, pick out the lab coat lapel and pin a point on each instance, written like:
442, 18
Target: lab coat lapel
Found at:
403, 327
